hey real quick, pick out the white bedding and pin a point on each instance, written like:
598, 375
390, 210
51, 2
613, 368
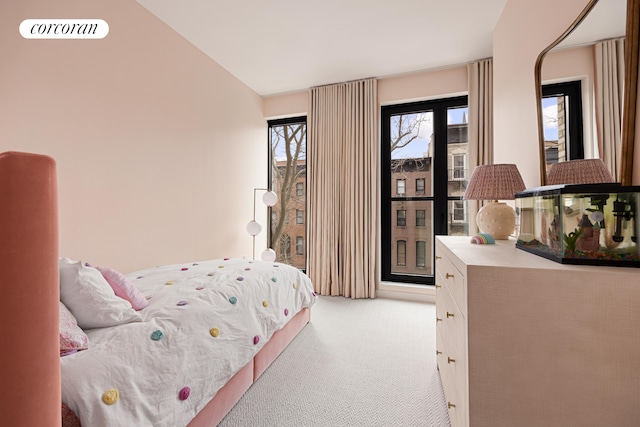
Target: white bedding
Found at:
186, 302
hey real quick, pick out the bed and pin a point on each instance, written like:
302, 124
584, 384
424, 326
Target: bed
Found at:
170, 345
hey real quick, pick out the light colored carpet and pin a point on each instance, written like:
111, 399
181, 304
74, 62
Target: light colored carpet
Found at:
368, 362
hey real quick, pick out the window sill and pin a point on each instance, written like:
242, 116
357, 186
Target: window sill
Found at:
406, 291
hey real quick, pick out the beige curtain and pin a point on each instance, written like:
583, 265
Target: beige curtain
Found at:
343, 154
480, 125
609, 64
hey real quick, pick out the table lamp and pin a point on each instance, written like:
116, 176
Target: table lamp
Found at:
580, 171
495, 182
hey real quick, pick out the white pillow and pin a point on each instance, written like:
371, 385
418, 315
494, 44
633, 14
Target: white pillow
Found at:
90, 298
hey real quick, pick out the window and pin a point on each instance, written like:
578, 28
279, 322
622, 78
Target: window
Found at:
287, 177
421, 253
459, 166
285, 247
402, 218
562, 120
402, 253
425, 143
299, 245
458, 211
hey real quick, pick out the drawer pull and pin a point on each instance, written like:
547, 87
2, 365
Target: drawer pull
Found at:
438, 286
438, 352
450, 360
449, 275
438, 257
449, 314
438, 319
450, 405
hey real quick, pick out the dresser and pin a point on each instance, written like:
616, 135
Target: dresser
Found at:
525, 341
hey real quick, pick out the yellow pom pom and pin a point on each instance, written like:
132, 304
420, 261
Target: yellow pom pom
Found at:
295, 286
214, 332
170, 282
110, 396
265, 304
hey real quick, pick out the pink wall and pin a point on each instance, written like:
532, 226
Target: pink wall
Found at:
397, 89
524, 29
152, 139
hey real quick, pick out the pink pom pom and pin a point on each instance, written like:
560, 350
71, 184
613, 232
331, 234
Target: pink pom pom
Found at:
184, 393
256, 339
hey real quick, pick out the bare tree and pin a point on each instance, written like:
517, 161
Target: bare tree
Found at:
288, 154
405, 128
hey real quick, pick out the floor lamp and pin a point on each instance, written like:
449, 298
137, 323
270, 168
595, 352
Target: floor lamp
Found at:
254, 228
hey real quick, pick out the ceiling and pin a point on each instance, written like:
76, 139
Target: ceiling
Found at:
282, 46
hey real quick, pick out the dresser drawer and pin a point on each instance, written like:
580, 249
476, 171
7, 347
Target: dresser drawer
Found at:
450, 322
448, 275
453, 376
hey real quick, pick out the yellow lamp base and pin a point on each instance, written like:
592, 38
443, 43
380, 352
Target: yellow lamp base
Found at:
497, 219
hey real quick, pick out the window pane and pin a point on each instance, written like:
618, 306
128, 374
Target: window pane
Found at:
402, 218
421, 253
410, 152
299, 245
459, 173
458, 224
420, 218
562, 121
288, 139
285, 246
458, 150
402, 253
411, 234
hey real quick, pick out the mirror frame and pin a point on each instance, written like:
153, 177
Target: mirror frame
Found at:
631, 47
632, 32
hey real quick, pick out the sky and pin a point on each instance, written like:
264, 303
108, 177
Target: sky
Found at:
420, 146
550, 118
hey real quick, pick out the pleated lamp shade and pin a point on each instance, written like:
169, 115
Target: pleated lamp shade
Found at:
495, 182
583, 171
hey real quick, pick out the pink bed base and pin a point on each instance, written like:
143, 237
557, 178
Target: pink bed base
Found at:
31, 391
231, 392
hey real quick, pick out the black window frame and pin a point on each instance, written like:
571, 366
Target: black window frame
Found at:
283, 122
439, 198
575, 130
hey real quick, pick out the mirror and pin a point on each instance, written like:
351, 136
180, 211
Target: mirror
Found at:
600, 20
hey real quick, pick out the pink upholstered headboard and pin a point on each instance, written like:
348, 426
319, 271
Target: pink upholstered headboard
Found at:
29, 291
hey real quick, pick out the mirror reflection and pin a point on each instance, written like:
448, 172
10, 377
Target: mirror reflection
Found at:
582, 89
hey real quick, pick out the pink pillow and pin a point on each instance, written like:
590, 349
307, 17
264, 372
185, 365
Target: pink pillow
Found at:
72, 338
124, 288
69, 418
